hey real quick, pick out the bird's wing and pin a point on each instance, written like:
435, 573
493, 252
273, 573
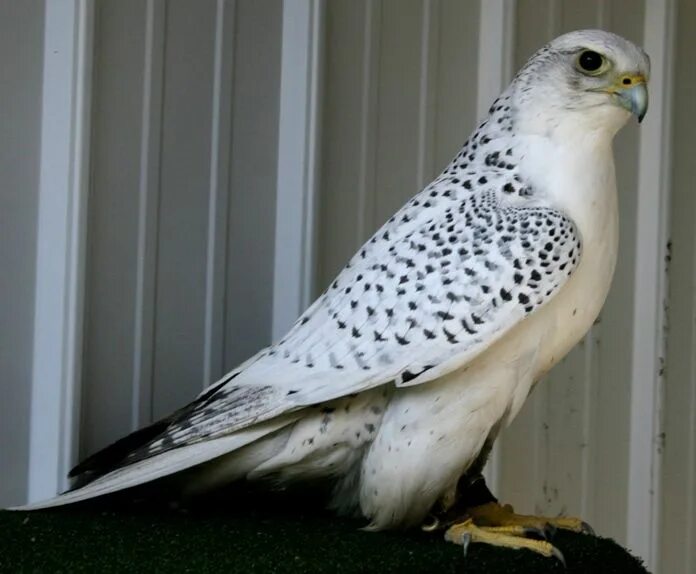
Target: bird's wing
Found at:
420, 302
444, 279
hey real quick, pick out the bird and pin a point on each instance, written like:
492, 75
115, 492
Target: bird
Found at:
394, 384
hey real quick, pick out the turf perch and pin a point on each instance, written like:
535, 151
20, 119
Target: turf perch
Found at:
97, 540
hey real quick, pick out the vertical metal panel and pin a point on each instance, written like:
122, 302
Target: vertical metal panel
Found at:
120, 216
21, 57
148, 211
396, 154
183, 203
349, 126
495, 51
218, 194
182, 210
568, 450
678, 477
430, 29
369, 122
252, 186
57, 350
455, 77
298, 151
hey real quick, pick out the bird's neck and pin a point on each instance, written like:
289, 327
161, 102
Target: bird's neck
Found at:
566, 164
575, 175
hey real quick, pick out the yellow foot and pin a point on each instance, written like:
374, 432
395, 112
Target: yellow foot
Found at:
498, 525
467, 532
494, 514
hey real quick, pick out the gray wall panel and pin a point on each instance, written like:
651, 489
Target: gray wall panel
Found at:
456, 37
400, 105
182, 203
253, 162
678, 497
112, 246
21, 67
349, 125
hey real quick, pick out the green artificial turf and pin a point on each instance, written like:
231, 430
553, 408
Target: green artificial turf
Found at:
219, 539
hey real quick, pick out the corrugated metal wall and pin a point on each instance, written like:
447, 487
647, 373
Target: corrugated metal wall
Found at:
181, 205
181, 228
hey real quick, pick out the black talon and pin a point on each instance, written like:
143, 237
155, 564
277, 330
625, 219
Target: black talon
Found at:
587, 529
535, 532
550, 531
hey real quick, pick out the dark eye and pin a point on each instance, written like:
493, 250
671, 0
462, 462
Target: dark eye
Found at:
590, 61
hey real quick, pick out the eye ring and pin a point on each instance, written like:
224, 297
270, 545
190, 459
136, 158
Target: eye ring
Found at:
591, 63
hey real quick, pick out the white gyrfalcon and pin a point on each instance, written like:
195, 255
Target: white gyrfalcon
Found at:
396, 381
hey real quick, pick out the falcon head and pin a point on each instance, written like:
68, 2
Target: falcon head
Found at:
589, 79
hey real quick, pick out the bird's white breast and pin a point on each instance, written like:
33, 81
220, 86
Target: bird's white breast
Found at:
579, 179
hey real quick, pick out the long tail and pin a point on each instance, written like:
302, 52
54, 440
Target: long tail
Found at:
164, 464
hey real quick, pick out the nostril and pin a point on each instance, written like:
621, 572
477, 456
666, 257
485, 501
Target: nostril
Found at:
627, 81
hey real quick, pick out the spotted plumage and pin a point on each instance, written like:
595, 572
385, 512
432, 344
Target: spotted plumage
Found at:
430, 339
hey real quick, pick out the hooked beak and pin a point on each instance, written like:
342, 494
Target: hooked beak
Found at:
631, 93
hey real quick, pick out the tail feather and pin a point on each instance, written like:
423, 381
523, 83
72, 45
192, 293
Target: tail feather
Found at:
113, 455
123, 451
165, 464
